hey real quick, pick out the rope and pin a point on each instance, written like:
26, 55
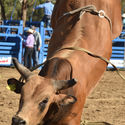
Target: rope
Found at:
96, 56
89, 53
91, 9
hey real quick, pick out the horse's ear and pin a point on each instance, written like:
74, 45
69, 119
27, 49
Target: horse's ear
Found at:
115, 15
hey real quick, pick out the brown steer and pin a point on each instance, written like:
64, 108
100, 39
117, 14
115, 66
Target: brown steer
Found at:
43, 98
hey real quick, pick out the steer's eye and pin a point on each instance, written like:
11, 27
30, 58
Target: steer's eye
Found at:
42, 104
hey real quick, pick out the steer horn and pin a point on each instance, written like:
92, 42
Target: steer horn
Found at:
21, 69
64, 84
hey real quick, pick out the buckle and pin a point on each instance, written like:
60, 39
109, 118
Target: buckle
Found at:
101, 14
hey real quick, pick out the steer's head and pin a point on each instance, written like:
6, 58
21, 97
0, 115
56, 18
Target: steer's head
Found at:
40, 97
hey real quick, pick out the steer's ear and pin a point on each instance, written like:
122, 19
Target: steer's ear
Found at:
14, 85
64, 84
65, 100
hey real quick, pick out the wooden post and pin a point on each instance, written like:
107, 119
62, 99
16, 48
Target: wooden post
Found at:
24, 11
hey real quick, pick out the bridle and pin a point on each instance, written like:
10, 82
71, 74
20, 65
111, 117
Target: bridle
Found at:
91, 9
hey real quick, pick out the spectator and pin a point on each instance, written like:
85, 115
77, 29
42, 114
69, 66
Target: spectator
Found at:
37, 45
29, 44
48, 8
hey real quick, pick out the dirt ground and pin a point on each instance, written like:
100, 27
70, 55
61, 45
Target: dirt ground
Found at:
105, 103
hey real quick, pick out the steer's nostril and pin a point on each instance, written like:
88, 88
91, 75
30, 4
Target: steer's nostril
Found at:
22, 122
18, 121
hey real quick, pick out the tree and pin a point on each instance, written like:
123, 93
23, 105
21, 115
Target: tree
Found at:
3, 16
123, 6
25, 5
18, 9
23, 9
0, 14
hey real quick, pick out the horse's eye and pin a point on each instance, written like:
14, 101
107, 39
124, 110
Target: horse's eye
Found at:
42, 104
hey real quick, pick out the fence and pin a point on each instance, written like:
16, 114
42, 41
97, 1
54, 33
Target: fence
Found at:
11, 43
118, 51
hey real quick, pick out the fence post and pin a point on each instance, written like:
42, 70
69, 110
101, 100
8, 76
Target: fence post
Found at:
20, 31
41, 59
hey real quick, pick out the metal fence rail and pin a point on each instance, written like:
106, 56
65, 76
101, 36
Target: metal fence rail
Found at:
10, 43
118, 51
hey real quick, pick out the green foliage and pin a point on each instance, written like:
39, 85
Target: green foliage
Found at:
123, 5
9, 7
38, 14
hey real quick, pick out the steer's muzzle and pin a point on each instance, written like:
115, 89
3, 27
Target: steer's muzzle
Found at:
18, 121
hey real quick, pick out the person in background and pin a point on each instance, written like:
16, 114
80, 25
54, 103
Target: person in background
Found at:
29, 44
37, 45
48, 8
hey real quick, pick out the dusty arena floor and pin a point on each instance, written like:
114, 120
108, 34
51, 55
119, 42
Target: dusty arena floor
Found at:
105, 103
